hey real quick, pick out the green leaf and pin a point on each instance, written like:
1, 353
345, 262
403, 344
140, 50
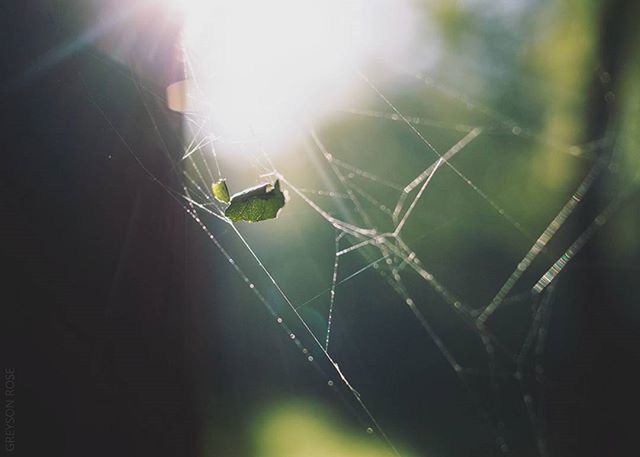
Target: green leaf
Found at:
220, 191
256, 204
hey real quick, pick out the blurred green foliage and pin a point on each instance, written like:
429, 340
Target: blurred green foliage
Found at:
295, 428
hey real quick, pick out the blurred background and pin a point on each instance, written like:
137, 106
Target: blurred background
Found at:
132, 334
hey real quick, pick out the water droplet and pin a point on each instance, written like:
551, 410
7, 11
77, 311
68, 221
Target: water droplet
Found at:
305, 351
310, 358
369, 430
292, 336
516, 130
279, 320
330, 383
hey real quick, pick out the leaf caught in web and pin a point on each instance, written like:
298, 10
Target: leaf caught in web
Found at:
221, 191
256, 204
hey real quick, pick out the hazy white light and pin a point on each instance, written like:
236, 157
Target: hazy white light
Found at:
263, 66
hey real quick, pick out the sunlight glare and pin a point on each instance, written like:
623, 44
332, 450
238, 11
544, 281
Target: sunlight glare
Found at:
260, 68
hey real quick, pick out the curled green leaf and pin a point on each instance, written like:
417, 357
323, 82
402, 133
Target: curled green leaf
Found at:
220, 191
256, 204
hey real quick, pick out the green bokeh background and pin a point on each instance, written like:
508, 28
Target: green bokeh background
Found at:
555, 85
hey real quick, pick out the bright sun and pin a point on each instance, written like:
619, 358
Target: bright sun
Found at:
260, 67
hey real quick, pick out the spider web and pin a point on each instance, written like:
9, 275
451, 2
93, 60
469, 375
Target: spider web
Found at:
373, 219
378, 224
